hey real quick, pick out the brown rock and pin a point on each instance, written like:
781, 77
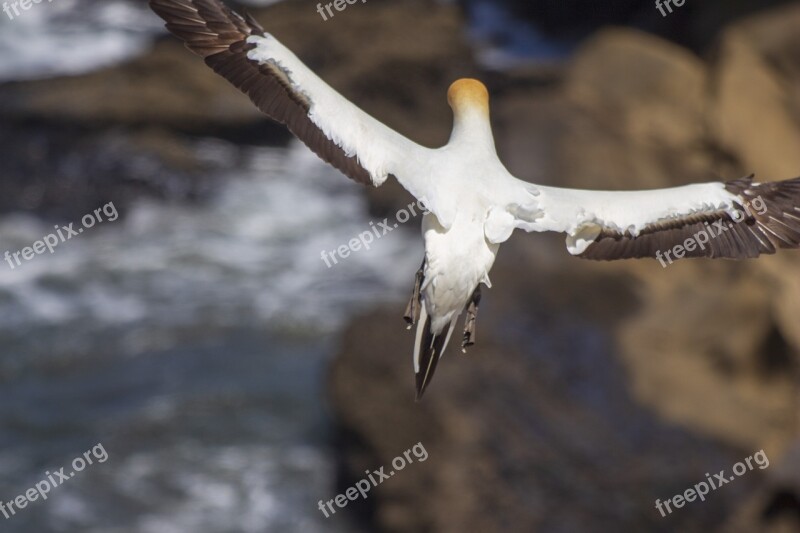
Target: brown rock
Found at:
533, 430
167, 86
757, 89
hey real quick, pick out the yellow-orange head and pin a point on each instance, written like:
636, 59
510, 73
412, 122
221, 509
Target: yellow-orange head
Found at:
467, 95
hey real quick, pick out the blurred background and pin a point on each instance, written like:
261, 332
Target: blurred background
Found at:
235, 380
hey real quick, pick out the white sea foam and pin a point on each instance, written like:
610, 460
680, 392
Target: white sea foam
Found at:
249, 256
67, 37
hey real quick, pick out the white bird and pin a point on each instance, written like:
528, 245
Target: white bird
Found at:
474, 203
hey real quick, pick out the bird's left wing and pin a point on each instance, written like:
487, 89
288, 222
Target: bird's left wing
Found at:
239, 49
735, 220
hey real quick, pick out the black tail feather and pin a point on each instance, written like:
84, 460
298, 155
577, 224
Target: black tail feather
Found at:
430, 351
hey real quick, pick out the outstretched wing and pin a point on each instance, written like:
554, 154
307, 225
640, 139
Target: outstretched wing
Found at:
285, 89
735, 220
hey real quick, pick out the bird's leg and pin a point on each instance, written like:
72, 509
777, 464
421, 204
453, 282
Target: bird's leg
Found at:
471, 322
413, 308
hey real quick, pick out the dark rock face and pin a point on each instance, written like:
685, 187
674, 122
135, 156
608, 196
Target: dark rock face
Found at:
531, 431
71, 170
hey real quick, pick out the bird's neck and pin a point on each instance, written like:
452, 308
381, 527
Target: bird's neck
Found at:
473, 129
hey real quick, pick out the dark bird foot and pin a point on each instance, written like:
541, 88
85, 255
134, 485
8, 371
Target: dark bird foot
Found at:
471, 322
414, 304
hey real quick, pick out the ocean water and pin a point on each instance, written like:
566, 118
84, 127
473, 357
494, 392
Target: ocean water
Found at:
192, 342
63, 37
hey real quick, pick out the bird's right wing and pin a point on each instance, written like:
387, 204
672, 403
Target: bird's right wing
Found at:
735, 220
254, 61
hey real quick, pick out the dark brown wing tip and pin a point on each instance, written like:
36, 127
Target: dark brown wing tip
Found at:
771, 221
773, 209
218, 34
208, 27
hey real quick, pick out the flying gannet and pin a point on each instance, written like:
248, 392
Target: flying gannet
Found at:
474, 203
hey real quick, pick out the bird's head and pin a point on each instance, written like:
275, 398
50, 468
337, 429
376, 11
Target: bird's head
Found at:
469, 100
467, 96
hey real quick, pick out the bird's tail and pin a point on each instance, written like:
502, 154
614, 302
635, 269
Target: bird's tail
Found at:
428, 348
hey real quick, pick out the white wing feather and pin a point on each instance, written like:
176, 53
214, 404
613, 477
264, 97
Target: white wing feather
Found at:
380, 150
583, 214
